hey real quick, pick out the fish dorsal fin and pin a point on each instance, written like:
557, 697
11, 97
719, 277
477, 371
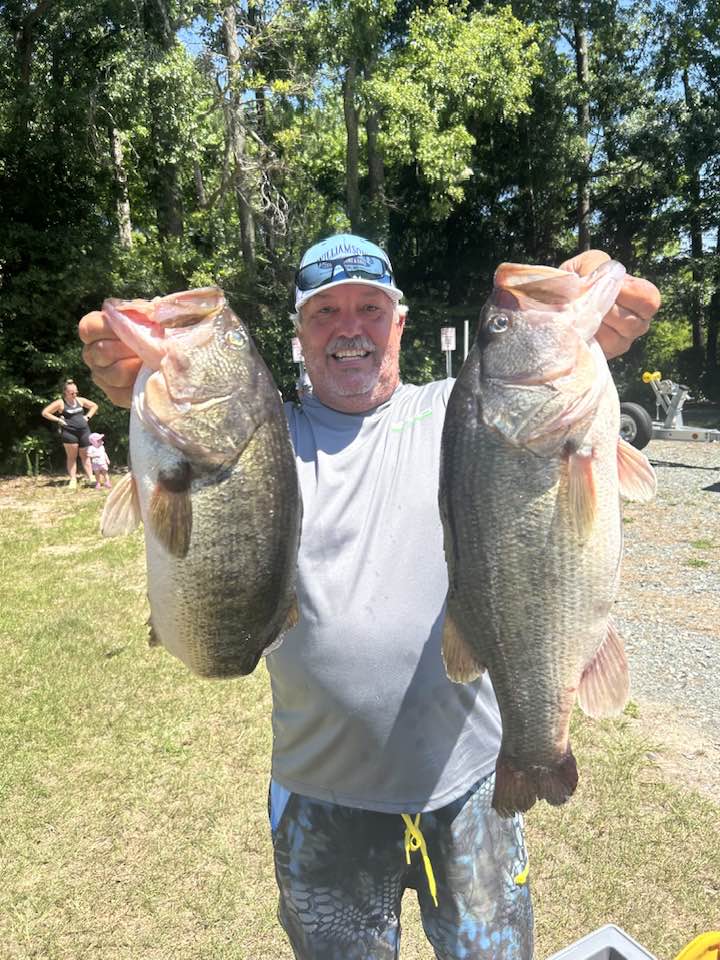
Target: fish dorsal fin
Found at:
605, 683
170, 512
582, 494
121, 513
461, 664
637, 478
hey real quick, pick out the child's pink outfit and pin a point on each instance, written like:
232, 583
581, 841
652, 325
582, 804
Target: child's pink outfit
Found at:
98, 457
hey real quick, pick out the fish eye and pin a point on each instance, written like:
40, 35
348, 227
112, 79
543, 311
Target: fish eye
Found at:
497, 323
236, 338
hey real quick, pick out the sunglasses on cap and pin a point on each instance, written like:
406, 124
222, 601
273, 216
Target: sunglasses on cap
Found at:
356, 267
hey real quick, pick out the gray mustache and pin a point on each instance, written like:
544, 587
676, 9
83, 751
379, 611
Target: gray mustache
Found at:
350, 343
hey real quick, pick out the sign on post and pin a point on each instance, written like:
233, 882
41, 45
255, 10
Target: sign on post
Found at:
297, 350
447, 342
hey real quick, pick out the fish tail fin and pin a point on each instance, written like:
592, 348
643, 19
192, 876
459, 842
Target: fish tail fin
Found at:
121, 513
605, 683
636, 477
518, 788
461, 664
582, 495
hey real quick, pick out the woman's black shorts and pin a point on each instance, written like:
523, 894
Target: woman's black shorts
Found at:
78, 435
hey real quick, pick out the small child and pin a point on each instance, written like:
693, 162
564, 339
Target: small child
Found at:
99, 460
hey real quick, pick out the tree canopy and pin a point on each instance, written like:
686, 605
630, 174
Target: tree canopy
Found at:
150, 145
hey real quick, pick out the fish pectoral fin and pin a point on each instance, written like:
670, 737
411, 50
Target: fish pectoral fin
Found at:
582, 495
170, 512
121, 513
637, 478
293, 615
605, 683
461, 664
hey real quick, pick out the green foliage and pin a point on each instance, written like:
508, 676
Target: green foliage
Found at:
665, 342
477, 141
455, 68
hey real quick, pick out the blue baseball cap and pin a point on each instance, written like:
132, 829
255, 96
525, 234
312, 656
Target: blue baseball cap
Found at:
344, 258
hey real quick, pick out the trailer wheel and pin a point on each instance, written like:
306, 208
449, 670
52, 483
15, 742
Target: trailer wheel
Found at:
635, 425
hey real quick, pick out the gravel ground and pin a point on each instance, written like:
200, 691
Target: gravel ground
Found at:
668, 608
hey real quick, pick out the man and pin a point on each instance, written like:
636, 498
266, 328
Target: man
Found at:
382, 769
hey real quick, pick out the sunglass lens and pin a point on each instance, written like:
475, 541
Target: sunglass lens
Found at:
323, 271
314, 275
366, 268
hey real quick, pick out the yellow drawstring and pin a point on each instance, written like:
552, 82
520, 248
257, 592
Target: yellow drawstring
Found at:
414, 840
522, 877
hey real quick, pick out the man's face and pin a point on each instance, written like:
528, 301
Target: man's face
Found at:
350, 337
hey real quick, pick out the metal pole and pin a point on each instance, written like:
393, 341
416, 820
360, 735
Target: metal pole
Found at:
466, 332
448, 362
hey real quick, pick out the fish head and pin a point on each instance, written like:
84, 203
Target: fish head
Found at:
536, 319
203, 394
143, 324
541, 369
209, 393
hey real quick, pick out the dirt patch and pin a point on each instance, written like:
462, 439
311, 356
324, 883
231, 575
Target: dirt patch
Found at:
44, 499
680, 752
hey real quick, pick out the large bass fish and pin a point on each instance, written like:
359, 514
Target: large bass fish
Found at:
530, 485
213, 480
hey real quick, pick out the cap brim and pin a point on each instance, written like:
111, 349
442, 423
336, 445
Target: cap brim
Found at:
302, 297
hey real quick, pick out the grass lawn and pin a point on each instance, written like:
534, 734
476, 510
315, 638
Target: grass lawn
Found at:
133, 819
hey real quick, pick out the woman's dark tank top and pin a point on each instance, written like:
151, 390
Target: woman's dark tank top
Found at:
74, 415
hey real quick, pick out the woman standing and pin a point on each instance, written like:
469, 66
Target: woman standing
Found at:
72, 413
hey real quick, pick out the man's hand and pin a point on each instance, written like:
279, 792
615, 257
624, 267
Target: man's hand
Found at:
112, 364
634, 308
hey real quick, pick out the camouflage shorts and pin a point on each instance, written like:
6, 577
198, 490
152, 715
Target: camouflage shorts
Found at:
341, 873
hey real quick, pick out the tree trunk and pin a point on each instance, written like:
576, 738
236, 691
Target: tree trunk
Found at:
254, 21
376, 179
200, 191
583, 119
25, 36
695, 310
713, 328
237, 135
165, 186
527, 192
122, 199
352, 153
